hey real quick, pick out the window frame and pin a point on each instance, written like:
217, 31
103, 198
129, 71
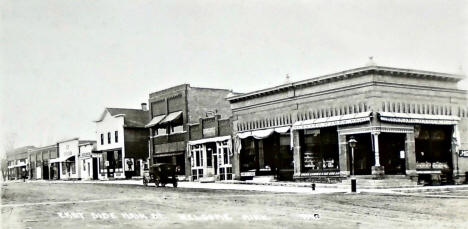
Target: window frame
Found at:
116, 136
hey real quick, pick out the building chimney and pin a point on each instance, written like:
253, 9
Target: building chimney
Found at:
143, 107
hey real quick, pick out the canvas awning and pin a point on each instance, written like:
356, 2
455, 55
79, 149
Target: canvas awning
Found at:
206, 140
261, 134
333, 121
171, 117
155, 121
15, 166
60, 159
419, 118
168, 154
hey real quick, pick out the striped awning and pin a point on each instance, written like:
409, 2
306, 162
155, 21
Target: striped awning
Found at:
419, 118
333, 121
261, 134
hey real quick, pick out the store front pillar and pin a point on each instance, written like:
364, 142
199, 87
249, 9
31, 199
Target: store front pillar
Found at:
344, 164
377, 170
297, 152
410, 155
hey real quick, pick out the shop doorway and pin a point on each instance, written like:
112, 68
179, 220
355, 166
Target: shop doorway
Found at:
363, 155
45, 172
270, 155
392, 153
95, 169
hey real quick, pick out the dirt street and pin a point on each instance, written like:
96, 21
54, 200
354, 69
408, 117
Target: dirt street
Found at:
75, 205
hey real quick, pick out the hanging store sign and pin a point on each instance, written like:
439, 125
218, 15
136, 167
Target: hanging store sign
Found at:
321, 174
463, 153
248, 174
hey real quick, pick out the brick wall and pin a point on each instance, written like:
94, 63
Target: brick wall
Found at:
201, 100
136, 142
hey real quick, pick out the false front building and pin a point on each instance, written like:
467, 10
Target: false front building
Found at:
122, 142
17, 161
39, 163
406, 123
171, 110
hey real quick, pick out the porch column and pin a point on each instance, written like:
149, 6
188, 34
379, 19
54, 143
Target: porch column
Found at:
376, 148
297, 152
343, 152
377, 170
410, 155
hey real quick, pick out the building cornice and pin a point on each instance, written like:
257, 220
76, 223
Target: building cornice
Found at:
349, 74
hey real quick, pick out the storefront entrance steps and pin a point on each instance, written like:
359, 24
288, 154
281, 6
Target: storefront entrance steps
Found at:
436, 189
206, 179
383, 183
263, 179
287, 184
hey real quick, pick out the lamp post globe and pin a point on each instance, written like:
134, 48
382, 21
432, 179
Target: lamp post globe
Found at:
352, 143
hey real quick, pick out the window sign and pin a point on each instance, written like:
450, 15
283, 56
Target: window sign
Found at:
402, 154
463, 153
129, 164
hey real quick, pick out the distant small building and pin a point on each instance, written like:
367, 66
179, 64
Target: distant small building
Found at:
88, 160
68, 164
17, 160
122, 142
39, 163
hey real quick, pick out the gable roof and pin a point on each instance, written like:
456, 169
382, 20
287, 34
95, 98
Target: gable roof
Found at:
132, 117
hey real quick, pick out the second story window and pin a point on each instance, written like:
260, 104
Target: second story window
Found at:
102, 139
109, 137
176, 129
161, 131
116, 136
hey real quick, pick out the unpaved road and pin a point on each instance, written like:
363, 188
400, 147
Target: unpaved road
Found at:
49, 205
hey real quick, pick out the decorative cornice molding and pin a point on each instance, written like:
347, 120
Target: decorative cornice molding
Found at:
352, 73
376, 129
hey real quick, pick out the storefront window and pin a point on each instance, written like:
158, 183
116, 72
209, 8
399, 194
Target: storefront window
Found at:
286, 153
248, 157
197, 156
226, 156
320, 149
73, 167
118, 159
433, 147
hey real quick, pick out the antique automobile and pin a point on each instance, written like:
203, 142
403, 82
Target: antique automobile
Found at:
161, 174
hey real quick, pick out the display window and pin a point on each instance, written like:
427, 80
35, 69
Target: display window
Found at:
433, 147
320, 149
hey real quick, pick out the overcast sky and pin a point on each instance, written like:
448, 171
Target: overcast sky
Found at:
63, 62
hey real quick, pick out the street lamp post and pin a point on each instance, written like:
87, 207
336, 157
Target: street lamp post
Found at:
352, 143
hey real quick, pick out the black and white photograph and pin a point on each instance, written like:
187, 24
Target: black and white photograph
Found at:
234, 114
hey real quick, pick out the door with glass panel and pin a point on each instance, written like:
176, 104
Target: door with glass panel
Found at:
223, 168
197, 161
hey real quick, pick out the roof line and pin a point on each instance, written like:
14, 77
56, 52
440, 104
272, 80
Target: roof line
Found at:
67, 140
338, 74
